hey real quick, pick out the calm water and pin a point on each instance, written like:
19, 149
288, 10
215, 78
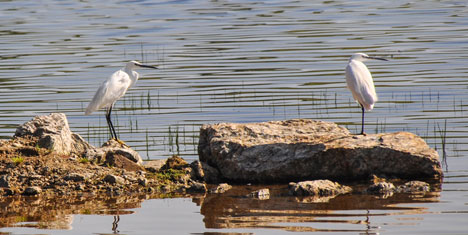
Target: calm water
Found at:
246, 61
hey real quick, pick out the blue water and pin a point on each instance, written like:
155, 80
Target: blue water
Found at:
243, 61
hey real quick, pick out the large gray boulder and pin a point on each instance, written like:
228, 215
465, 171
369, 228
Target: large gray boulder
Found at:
54, 133
301, 149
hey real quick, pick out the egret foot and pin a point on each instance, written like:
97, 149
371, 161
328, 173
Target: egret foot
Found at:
121, 142
362, 133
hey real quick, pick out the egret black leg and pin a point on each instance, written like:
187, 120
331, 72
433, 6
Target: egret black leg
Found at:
109, 123
362, 121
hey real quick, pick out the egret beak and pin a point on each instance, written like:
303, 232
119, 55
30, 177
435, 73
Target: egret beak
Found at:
147, 66
376, 58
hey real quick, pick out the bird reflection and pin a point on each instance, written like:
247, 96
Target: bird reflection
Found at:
115, 224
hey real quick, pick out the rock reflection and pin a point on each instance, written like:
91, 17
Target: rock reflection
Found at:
57, 212
63, 222
350, 212
232, 209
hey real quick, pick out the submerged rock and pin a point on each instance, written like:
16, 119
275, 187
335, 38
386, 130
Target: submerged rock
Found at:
220, 188
261, 194
388, 188
196, 187
381, 188
414, 187
299, 149
317, 188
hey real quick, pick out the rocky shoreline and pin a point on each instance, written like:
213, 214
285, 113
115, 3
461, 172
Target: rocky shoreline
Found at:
30, 170
46, 158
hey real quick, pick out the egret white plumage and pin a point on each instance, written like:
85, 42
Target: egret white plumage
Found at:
360, 83
113, 89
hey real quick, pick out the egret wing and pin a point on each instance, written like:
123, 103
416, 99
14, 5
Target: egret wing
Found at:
110, 91
359, 81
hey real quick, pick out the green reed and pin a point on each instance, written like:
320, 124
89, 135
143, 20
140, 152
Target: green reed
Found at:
147, 144
317, 105
148, 101
443, 141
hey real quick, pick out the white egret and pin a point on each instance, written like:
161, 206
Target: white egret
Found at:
360, 83
113, 89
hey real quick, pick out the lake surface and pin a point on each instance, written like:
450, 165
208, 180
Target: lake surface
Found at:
246, 61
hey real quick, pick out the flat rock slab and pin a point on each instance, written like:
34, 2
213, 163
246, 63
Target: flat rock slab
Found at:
303, 149
317, 188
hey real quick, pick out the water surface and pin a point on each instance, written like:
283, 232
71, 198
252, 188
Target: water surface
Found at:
245, 61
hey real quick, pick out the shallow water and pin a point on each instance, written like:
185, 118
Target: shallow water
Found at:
233, 213
244, 61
